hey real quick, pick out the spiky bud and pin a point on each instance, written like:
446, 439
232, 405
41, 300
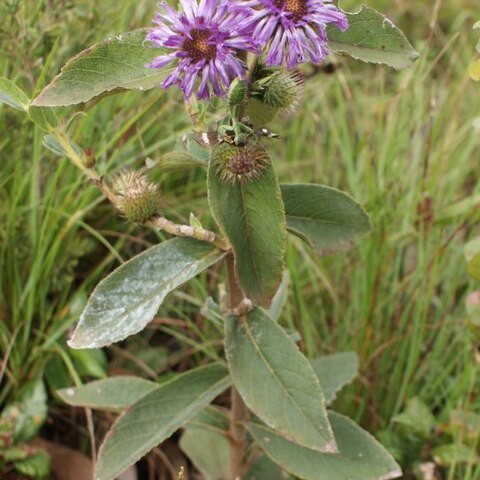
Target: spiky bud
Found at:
282, 90
259, 113
273, 90
243, 163
135, 196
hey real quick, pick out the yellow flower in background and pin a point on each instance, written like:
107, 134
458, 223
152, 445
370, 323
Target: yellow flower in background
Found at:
474, 71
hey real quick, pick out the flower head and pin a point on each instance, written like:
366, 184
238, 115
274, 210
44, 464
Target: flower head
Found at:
295, 29
205, 39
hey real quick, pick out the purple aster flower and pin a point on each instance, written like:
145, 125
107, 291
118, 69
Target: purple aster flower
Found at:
294, 29
205, 39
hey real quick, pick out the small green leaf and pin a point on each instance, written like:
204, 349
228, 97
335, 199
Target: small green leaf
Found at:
36, 466
472, 254
156, 416
455, 453
276, 381
209, 452
360, 456
206, 443
13, 96
126, 301
372, 37
417, 417
325, 217
116, 64
264, 469
45, 118
114, 393
280, 298
50, 141
334, 372
177, 161
251, 215
29, 412
90, 363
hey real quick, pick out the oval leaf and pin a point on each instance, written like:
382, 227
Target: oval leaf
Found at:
156, 416
276, 381
361, 457
251, 216
117, 63
206, 443
328, 219
115, 393
127, 300
334, 372
13, 96
372, 37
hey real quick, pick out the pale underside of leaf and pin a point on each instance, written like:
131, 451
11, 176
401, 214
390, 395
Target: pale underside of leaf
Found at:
128, 299
371, 37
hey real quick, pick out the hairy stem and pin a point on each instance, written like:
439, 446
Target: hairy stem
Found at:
239, 412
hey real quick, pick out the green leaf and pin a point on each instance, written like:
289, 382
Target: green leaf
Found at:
472, 254
276, 381
90, 363
334, 372
36, 466
116, 64
264, 469
361, 457
114, 393
29, 412
252, 218
156, 416
372, 37
50, 141
13, 96
45, 118
280, 298
326, 218
126, 301
455, 453
209, 452
205, 441
177, 161
417, 417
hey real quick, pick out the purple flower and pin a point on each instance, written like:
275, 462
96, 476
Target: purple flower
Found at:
205, 39
294, 30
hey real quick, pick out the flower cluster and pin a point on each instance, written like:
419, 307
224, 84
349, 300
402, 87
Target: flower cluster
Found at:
209, 39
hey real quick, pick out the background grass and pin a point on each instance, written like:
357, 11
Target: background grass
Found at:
400, 142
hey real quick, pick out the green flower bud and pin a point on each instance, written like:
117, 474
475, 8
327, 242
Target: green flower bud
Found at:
236, 93
259, 113
136, 197
273, 90
244, 163
282, 90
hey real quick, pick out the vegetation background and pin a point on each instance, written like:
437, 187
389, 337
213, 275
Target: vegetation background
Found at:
403, 143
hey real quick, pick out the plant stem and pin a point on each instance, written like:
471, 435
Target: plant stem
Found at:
239, 412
